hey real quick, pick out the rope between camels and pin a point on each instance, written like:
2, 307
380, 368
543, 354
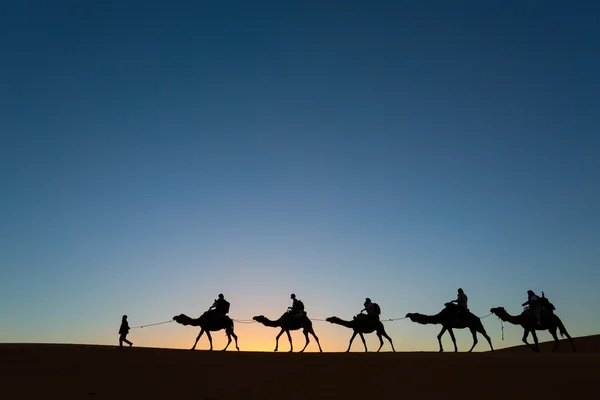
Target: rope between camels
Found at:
249, 321
395, 319
383, 320
158, 323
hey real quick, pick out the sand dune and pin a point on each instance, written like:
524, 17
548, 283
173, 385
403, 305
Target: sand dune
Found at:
31, 371
584, 344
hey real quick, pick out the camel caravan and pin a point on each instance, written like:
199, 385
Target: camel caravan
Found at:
538, 315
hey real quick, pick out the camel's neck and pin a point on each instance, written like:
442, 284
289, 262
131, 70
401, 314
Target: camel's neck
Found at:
185, 320
267, 322
511, 319
339, 321
427, 319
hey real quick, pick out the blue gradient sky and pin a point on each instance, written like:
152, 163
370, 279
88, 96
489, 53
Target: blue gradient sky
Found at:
154, 155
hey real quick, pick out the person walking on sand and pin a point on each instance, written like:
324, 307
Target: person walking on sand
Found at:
123, 331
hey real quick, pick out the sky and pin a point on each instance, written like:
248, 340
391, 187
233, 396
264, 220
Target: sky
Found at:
156, 154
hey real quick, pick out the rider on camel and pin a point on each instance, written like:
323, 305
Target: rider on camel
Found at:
297, 308
372, 310
533, 301
220, 306
461, 301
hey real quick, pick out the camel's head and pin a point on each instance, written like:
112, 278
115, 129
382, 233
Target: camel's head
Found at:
418, 318
498, 311
182, 319
332, 319
259, 318
414, 317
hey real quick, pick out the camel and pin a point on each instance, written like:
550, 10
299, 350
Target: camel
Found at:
549, 322
289, 323
210, 322
447, 318
362, 326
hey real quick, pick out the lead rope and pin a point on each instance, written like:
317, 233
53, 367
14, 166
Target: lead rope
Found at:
158, 323
250, 321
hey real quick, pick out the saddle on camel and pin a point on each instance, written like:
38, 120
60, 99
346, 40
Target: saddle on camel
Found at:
459, 314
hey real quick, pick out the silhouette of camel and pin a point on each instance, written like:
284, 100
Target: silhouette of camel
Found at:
447, 318
362, 326
210, 322
288, 323
527, 321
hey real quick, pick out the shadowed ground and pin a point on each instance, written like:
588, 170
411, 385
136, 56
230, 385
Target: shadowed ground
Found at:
585, 344
105, 372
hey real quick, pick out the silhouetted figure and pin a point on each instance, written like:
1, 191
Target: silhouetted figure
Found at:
447, 318
363, 325
549, 322
461, 301
123, 331
545, 306
210, 321
288, 324
534, 304
373, 311
297, 308
220, 306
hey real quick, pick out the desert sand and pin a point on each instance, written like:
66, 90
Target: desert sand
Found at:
56, 371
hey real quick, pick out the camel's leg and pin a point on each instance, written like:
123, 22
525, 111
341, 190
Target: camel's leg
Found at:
198, 338
570, 340
439, 337
563, 332
474, 333
535, 339
312, 332
290, 339
385, 335
525, 336
228, 333
209, 340
307, 340
362, 337
555, 337
380, 341
485, 335
277, 339
451, 332
235, 338
351, 340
